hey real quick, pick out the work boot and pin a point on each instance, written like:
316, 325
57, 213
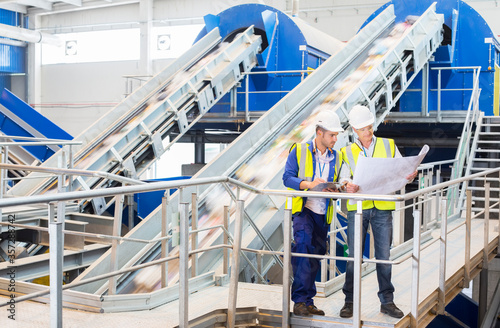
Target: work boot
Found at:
314, 310
392, 310
300, 309
346, 311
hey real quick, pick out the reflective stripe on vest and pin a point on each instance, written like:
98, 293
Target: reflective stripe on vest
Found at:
384, 148
306, 172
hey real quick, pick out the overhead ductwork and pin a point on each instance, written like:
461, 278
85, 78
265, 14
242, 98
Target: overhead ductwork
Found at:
22, 34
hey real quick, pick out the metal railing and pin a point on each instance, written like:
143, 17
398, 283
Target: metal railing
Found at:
247, 91
56, 206
472, 119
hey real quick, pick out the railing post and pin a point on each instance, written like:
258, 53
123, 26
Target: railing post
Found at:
415, 268
164, 232
117, 223
225, 251
442, 257
399, 222
247, 97
483, 275
5, 172
498, 246
71, 164
439, 97
258, 258
194, 235
235, 264
2, 178
468, 218
334, 225
358, 256
183, 264
287, 260
56, 244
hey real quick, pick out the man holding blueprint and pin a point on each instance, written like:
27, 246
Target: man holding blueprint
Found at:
371, 166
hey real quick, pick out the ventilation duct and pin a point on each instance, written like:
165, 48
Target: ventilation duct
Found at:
22, 34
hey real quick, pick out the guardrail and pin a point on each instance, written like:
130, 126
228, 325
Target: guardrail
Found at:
56, 211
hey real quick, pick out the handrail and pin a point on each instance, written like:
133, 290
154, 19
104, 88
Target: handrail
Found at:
178, 184
55, 170
163, 185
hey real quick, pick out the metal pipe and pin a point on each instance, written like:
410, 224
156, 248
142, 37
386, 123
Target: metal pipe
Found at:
483, 276
194, 233
442, 258
235, 267
287, 260
164, 232
295, 8
183, 264
468, 218
117, 223
358, 257
32, 36
60, 170
439, 97
56, 242
225, 252
415, 268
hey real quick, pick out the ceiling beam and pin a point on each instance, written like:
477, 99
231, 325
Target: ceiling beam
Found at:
59, 8
77, 3
35, 3
15, 7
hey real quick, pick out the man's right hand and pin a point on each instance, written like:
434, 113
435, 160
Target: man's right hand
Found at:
316, 182
352, 188
311, 184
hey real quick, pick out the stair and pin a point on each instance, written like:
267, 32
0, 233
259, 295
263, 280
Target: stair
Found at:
485, 156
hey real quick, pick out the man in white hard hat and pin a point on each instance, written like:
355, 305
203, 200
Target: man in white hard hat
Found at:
376, 213
308, 165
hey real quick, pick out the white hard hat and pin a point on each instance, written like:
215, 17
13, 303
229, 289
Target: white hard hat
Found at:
360, 117
329, 120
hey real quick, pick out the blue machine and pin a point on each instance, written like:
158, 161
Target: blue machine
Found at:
468, 41
19, 119
287, 44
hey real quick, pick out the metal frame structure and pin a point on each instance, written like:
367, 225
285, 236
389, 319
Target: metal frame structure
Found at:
57, 211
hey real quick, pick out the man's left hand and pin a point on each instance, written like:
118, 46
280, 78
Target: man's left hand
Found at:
411, 177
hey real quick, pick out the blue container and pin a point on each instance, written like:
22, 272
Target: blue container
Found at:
288, 43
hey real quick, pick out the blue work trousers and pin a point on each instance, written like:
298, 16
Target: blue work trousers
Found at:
381, 223
310, 232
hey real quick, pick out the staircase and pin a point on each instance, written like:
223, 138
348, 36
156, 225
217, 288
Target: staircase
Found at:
485, 155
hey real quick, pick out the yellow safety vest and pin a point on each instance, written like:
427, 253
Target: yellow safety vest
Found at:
384, 148
306, 172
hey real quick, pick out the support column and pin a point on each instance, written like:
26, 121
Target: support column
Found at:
33, 66
146, 24
199, 148
56, 242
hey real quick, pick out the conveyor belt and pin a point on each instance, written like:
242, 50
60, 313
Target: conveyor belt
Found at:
378, 84
129, 139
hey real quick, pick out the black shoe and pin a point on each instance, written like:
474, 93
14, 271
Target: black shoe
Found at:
346, 311
314, 310
392, 310
301, 309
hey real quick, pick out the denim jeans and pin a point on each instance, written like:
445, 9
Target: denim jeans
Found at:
310, 232
381, 223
